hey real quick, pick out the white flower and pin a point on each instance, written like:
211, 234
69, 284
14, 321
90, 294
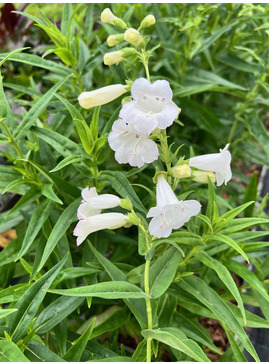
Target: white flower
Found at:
170, 213
151, 106
88, 225
131, 146
113, 58
220, 163
101, 96
92, 203
108, 17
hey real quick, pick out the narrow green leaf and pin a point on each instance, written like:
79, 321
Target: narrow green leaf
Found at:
7, 311
39, 106
12, 53
40, 215
163, 271
108, 290
67, 161
62, 225
75, 351
55, 313
123, 187
227, 240
240, 357
31, 195
176, 339
247, 275
47, 191
202, 292
251, 194
37, 352
245, 222
224, 276
30, 301
9, 352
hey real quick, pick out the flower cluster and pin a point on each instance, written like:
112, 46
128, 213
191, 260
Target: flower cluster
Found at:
90, 217
150, 108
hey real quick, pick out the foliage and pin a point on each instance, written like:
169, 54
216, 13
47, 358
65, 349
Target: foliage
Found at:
62, 302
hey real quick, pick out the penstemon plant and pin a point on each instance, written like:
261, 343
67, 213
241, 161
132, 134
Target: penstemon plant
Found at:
156, 262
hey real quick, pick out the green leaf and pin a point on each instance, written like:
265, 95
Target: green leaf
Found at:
107, 290
193, 329
75, 351
258, 130
162, 272
64, 146
62, 225
67, 161
55, 313
13, 293
81, 125
39, 216
37, 352
39, 62
38, 107
228, 216
237, 63
243, 223
240, 357
202, 292
224, 276
12, 53
31, 195
123, 187
176, 339
30, 301
6, 312
150, 253
247, 275
48, 192
227, 240
251, 194
9, 352
138, 307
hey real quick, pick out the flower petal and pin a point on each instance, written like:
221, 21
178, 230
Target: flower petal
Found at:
158, 228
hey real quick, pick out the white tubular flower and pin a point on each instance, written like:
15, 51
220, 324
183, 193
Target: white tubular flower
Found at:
92, 203
131, 146
150, 107
202, 177
88, 225
170, 213
220, 163
101, 96
182, 171
132, 36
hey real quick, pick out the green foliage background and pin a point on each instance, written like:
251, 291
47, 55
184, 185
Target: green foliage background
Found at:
215, 57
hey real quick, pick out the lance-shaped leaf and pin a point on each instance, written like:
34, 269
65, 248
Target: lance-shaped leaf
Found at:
9, 352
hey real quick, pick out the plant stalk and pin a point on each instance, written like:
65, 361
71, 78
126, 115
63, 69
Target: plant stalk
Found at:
149, 309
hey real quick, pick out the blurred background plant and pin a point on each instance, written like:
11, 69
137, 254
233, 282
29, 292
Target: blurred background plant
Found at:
215, 57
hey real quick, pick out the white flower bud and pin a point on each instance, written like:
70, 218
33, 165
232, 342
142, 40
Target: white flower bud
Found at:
201, 177
108, 17
113, 58
182, 171
132, 36
101, 96
115, 39
148, 21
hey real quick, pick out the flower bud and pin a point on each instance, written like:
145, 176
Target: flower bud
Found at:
148, 21
115, 39
101, 96
126, 203
108, 17
118, 56
113, 58
133, 219
182, 171
132, 36
201, 177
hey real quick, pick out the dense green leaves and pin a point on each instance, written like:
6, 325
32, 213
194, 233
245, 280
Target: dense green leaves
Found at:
9, 352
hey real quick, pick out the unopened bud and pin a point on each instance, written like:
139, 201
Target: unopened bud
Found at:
201, 177
182, 171
108, 17
101, 96
134, 219
118, 56
148, 21
132, 36
115, 39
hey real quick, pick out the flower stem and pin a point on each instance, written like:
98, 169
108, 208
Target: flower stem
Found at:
149, 309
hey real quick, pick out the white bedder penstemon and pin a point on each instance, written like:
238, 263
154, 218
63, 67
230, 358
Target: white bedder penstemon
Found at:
170, 213
220, 163
131, 146
150, 106
90, 217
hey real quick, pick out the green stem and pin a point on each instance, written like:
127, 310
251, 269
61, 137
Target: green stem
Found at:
149, 309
